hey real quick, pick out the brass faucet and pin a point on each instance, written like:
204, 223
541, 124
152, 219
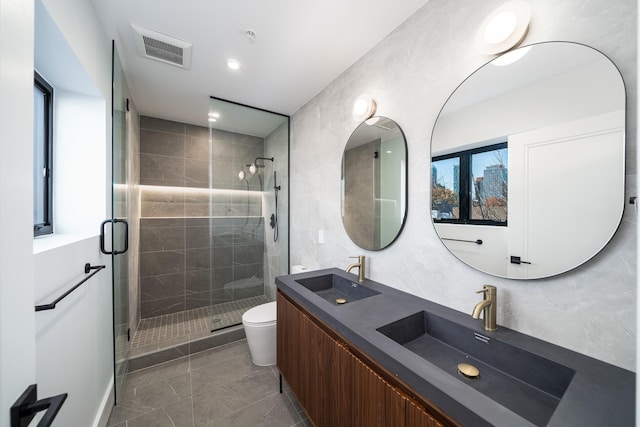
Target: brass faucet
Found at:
488, 305
360, 265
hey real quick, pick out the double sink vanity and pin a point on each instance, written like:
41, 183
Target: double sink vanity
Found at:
362, 353
513, 155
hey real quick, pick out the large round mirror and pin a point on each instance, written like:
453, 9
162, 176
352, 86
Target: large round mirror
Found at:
374, 183
527, 161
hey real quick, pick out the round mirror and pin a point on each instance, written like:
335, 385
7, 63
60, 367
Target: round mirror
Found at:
374, 183
527, 161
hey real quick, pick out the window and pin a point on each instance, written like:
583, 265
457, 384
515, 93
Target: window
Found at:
470, 187
42, 157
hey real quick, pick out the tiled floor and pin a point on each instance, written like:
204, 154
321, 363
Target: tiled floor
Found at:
214, 388
159, 332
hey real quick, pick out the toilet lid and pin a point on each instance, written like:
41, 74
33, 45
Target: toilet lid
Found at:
263, 313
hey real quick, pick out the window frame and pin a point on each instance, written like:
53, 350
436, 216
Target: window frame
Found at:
46, 227
465, 185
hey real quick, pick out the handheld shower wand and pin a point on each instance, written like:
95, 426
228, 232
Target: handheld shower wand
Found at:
274, 216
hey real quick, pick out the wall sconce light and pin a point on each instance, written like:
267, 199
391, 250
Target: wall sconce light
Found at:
504, 28
364, 107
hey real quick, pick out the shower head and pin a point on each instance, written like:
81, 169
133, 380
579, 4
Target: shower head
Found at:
253, 167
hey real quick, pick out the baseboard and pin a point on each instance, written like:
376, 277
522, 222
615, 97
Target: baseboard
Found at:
106, 405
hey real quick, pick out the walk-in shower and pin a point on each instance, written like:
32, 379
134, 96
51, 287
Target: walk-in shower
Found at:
207, 192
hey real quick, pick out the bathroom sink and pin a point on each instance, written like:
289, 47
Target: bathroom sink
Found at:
336, 289
525, 383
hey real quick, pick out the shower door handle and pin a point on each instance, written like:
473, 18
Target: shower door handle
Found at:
113, 251
126, 235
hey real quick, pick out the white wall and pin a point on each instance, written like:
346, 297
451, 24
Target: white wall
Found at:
17, 321
80, 196
79, 25
411, 74
74, 341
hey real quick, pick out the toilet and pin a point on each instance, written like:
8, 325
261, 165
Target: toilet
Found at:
260, 328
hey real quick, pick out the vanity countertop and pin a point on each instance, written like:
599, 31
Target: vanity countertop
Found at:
599, 393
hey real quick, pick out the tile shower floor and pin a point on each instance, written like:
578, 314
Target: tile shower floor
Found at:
173, 329
214, 388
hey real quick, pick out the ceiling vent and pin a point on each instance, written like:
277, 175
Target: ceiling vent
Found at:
161, 47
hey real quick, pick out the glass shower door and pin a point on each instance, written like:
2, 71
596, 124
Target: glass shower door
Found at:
119, 227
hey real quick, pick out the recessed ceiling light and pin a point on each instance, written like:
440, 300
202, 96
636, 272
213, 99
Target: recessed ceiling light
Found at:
233, 64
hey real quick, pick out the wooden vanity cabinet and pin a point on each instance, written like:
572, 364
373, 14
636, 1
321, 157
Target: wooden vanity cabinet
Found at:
335, 386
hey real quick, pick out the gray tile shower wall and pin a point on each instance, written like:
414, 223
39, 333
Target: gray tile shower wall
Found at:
178, 154
198, 247
187, 263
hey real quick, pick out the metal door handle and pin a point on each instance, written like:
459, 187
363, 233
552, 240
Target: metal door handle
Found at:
126, 235
27, 406
114, 221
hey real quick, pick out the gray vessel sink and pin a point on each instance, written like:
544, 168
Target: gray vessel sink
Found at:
519, 380
333, 288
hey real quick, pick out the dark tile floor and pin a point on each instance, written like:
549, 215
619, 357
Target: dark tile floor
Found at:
173, 329
214, 388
